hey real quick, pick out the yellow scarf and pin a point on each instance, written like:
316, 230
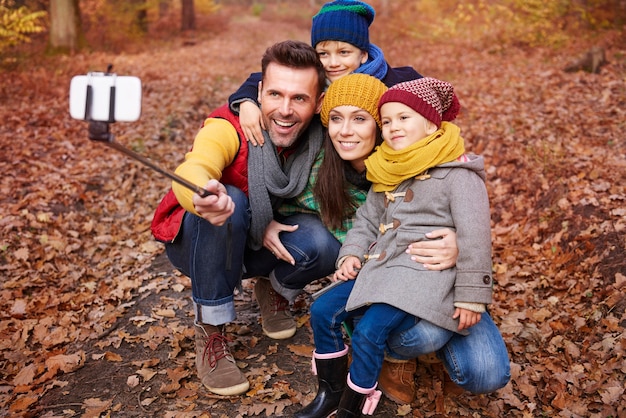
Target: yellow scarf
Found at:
387, 168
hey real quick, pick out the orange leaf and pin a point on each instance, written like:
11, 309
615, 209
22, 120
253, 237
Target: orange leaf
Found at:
66, 362
109, 356
22, 403
26, 375
301, 350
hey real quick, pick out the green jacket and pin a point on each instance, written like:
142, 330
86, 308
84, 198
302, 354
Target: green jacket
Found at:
305, 202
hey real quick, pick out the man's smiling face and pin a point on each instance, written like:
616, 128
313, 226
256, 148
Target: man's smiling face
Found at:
288, 98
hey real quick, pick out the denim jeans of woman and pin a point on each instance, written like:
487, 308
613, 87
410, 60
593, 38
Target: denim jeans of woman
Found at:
478, 362
313, 248
216, 258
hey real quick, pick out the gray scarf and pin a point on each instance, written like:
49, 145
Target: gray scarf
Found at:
269, 181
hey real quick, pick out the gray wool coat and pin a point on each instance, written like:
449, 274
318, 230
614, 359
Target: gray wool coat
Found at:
453, 197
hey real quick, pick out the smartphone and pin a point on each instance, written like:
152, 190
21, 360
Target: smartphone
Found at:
326, 289
105, 97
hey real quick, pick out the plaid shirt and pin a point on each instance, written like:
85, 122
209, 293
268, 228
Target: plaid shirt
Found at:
305, 202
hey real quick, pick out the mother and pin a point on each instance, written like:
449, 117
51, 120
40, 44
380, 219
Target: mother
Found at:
477, 362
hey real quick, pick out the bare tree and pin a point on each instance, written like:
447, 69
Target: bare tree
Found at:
188, 16
164, 7
65, 26
141, 14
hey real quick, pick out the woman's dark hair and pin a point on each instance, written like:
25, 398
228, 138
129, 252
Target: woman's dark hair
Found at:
295, 54
330, 189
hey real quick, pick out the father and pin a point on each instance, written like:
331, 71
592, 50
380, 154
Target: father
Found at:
214, 239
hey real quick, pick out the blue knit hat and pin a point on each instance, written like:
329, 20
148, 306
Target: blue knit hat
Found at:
345, 21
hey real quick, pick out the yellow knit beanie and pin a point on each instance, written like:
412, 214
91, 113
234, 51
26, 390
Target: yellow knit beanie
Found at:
360, 90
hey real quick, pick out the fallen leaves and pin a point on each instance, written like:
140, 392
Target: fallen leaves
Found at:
65, 362
76, 252
146, 374
22, 403
175, 376
94, 407
301, 350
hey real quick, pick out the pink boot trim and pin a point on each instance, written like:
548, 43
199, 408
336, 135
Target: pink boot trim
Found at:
326, 357
373, 396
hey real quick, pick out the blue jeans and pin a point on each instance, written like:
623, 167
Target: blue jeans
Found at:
369, 338
478, 362
216, 258
313, 248
213, 258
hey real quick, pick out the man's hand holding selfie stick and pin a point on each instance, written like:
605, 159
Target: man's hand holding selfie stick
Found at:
217, 206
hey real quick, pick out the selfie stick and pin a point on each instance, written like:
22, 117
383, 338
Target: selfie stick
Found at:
99, 131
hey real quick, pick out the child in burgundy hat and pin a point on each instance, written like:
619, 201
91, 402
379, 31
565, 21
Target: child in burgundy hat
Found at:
340, 35
421, 178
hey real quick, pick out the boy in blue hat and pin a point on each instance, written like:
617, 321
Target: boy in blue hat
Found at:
340, 35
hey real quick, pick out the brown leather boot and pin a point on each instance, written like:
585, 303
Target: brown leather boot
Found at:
216, 367
397, 380
277, 322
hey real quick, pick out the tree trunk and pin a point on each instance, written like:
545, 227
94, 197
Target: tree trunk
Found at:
189, 15
164, 7
65, 26
141, 15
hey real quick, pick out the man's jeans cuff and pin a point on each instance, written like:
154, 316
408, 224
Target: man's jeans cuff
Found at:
215, 315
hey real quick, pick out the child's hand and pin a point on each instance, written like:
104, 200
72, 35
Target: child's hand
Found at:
466, 317
348, 270
251, 122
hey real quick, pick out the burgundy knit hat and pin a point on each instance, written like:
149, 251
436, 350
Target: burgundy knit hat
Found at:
434, 99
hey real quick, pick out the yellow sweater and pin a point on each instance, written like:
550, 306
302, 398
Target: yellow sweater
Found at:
214, 148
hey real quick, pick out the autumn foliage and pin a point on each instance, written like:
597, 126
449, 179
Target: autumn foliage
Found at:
85, 291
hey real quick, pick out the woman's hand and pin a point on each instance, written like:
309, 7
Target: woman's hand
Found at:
216, 207
271, 240
438, 253
251, 121
348, 269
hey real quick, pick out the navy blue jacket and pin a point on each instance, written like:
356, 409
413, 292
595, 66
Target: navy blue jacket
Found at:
249, 89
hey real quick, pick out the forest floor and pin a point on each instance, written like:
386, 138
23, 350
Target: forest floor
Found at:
94, 321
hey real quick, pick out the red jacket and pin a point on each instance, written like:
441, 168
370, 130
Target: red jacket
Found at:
169, 213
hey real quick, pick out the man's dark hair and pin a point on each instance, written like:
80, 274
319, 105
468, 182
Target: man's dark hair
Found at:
295, 54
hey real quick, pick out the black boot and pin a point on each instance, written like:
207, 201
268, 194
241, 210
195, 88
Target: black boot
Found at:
357, 400
332, 370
